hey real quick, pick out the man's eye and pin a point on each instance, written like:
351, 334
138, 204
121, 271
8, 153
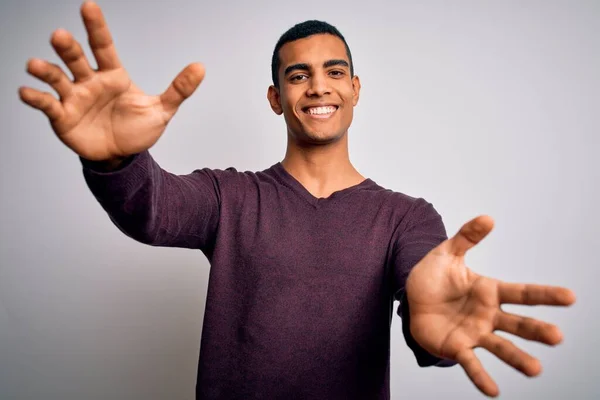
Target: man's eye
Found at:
337, 73
297, 78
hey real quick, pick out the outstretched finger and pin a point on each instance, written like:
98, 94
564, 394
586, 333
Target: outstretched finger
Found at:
182, 87
528, 328
505, 350
530, 294
70, 51
99, 36
42, 101
476, 373
51, 74
470, 234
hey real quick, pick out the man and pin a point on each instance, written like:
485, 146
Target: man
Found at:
306, 256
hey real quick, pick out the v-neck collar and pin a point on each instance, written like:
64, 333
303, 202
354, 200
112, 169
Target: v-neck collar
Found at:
288, 179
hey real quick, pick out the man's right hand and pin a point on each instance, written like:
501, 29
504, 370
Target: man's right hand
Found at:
102, 115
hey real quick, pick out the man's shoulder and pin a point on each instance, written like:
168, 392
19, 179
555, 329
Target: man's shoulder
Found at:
234, 182
232, 173
410, 208
396, 198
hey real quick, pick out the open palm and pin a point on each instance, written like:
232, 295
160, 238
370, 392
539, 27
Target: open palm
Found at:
454, 310
102, 114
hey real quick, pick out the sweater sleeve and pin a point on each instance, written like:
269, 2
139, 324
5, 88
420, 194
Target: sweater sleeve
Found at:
156, 207
421, 230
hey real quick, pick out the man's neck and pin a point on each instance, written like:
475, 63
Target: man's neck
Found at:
321, 169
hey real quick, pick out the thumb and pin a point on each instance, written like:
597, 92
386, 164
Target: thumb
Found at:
470, 234
182, 87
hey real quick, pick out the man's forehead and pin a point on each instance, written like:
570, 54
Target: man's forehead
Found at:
313, 49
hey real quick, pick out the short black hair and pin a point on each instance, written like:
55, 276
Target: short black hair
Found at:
301, 31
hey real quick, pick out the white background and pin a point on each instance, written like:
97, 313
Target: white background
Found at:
478, 106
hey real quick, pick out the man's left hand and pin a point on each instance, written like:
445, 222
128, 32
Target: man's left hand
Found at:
454, 310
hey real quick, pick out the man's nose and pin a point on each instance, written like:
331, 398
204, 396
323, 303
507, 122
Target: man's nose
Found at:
318, 85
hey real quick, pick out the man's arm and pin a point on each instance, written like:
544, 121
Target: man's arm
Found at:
154, 206
101, 115
421, 230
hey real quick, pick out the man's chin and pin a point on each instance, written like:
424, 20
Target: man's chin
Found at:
320, 138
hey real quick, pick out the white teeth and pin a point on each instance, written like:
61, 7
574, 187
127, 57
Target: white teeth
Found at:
321, 110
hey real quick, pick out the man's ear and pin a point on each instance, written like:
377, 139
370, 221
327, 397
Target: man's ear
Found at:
274, 100
355, 89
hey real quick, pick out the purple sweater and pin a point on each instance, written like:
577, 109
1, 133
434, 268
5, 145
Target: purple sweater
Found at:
301, 289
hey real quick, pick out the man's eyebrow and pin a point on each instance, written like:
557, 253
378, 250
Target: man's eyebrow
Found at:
331, 63
306, 67
295, 67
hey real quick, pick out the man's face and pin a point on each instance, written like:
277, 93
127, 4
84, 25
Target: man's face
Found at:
316, 92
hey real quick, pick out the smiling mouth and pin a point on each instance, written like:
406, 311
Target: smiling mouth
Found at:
320, 112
